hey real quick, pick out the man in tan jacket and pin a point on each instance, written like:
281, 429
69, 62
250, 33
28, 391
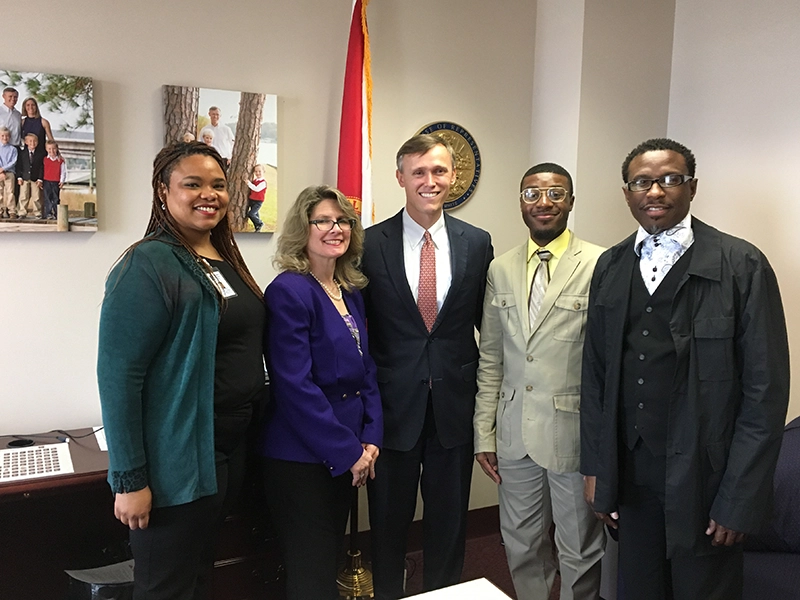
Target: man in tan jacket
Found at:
526, 413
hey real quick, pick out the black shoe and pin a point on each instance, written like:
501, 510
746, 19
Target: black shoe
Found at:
258, 227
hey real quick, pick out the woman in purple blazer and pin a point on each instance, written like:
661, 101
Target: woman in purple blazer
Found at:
324, 428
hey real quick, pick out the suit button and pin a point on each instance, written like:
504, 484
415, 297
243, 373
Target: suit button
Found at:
649, 309
641, 405
641, 357
344, 396
528, 388
640, 381
529, 358
358, 393
331, 468
646, 332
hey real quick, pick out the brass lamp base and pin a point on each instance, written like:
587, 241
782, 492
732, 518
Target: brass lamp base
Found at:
354, 581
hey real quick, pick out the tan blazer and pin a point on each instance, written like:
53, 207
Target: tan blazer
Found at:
529, 378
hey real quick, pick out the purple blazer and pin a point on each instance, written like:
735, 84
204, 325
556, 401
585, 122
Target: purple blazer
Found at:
325, 400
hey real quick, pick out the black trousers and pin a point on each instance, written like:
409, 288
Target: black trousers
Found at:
647, 573
175, 554
445, 479
309, 509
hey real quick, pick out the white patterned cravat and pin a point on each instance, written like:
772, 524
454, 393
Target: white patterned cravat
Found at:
658, 252
541, 277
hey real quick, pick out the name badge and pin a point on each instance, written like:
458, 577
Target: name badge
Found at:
218, 280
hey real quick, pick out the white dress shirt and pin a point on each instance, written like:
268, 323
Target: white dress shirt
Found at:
223, 139
413, 236
11, 118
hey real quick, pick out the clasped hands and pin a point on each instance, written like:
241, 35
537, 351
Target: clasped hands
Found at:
365, 466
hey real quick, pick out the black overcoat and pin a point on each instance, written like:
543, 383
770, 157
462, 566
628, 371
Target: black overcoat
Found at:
730, 395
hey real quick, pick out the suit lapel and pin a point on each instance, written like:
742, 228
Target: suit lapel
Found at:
519, 285
619, 286
392, 252
567, 264
459, 250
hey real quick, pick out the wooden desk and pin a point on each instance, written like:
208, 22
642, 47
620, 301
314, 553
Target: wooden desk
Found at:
54, 523
62, 522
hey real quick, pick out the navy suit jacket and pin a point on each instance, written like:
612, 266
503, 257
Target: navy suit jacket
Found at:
27, 169
408, 357
325, 400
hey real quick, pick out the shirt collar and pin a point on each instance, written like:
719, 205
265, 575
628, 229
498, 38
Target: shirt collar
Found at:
682, 232
413, 232
558, 246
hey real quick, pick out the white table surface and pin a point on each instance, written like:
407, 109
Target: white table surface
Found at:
479, 589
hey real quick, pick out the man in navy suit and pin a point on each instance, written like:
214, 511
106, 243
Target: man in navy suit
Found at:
426, 368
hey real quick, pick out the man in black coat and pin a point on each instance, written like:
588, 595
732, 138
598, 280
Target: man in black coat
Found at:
685, 388
427, 275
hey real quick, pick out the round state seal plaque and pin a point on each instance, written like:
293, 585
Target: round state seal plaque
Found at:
468, 160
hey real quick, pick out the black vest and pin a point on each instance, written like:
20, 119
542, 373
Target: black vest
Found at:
649, 360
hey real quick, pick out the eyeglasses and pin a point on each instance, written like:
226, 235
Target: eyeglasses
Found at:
665, 181
327, 224
532, 195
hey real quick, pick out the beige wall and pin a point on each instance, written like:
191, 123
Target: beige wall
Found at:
733, 101
431, 61
52, 284
726, 89
624, 99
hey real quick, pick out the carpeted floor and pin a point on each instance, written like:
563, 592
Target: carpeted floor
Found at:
485, 557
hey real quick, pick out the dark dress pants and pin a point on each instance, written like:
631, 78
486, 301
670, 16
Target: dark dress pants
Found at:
445, 482
647, 573
309, 509
175, 554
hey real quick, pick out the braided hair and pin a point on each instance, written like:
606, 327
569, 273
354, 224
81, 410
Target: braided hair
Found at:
162, 221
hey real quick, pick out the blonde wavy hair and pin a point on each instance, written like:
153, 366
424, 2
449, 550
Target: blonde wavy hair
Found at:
291, 254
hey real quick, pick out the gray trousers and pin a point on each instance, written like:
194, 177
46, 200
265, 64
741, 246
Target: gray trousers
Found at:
531, 498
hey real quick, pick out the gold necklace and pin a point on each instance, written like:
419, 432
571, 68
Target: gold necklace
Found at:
327, 290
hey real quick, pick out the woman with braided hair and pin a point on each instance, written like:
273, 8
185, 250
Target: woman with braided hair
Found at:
180, 366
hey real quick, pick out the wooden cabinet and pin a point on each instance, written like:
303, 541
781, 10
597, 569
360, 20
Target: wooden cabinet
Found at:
67, 522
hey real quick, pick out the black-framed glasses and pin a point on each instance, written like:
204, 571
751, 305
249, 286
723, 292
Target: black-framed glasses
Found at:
327, 224
532, 195
640, 184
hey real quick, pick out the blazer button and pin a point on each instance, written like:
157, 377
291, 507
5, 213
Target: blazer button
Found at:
502, 303
331, 468
344, 396
358, 393
577, 305
528, 388
529, 358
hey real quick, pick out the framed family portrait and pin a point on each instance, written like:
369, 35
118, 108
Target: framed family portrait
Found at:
47, 153
243, 127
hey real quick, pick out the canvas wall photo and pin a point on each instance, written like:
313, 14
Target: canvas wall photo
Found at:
243, 127
47, 153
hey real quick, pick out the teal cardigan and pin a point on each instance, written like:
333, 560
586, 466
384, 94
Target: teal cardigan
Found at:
155, 371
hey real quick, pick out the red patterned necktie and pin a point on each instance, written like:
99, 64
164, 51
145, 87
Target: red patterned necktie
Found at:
426, 295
